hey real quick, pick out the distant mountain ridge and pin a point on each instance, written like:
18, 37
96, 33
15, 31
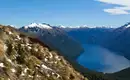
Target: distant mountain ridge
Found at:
115, 39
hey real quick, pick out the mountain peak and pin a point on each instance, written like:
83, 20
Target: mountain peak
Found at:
40, 25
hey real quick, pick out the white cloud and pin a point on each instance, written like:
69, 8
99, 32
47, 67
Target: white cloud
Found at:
116, 11
124, 9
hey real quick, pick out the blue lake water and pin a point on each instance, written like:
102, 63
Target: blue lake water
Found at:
102, 60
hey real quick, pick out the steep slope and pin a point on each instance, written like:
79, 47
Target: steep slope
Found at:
55, 38
120, 40
26, 58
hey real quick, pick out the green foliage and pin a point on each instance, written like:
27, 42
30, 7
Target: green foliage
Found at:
1, 78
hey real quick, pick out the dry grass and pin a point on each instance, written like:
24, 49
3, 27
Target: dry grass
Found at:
1, 48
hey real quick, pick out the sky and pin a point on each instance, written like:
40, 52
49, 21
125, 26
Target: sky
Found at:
65, 12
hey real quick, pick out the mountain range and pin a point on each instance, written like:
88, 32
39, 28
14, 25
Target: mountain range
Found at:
23, 45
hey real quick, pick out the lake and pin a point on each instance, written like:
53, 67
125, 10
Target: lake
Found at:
100, 59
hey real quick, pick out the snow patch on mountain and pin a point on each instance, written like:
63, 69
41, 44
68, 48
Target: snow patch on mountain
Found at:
126, 25
13, 26
61, 26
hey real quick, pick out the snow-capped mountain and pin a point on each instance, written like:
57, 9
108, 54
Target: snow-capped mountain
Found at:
56, 38
39, 25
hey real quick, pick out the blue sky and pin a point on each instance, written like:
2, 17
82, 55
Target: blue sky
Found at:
64, 12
